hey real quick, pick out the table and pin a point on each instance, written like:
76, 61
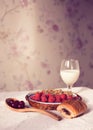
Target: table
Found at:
11, 120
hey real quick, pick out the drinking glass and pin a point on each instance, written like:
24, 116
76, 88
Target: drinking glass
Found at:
69, 72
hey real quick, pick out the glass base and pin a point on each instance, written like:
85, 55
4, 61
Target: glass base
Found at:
69, 88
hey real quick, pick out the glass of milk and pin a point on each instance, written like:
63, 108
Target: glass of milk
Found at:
69, 72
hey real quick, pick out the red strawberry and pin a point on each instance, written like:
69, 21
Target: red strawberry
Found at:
37, 96
51, 98
44, 98
58, 98
63, 96
32, 97
69, 97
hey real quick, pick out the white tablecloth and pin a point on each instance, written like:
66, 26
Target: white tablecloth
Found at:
10, 120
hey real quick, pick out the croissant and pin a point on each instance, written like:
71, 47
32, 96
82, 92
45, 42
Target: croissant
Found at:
72, 108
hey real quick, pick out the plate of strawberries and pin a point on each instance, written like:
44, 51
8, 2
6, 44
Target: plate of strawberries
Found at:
50, 99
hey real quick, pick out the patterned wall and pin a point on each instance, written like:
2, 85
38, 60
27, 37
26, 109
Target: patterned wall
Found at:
35, 35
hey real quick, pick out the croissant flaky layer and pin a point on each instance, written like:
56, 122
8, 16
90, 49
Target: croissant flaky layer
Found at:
72, 108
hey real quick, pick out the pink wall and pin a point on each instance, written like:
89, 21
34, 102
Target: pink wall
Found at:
35, 35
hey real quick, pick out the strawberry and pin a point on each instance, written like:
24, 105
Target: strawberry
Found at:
70, 97
58, 98
63, 96
38, 96
44, 98
51, 98
32, 97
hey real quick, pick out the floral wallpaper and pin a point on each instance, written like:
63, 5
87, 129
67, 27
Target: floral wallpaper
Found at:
35, 35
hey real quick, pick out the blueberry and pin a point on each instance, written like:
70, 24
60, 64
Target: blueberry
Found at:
16, 103
22, 104
19, 106
13, 105
10, 101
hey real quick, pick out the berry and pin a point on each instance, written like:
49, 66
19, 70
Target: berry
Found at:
58, 98
69, 97
32, 97
19, 106
37, 96
15, 103
10, 101
22, 104
63, 96
44, 98
51, 98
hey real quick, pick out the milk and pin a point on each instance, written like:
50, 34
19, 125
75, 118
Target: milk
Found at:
70, 76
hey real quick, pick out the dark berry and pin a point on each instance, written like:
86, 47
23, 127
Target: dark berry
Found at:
22, 104
19, 106
16, 103
10, 101
13, 105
